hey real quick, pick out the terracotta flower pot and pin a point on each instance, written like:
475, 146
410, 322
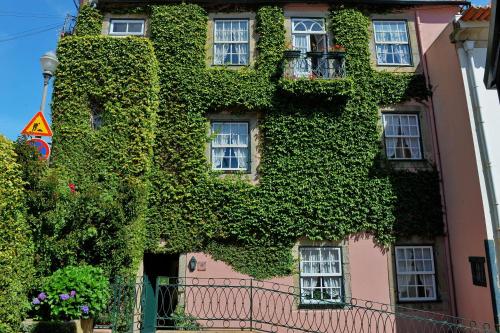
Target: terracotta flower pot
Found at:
84, 325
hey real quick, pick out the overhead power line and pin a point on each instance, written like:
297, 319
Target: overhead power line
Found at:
30, 32
31, 16
28, 14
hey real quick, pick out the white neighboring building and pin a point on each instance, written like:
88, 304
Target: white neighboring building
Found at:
471, 37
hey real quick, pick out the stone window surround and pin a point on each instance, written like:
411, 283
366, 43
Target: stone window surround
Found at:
443, 302
252, 118
250, 16
413, 42
106, 23
425, 136
346, 272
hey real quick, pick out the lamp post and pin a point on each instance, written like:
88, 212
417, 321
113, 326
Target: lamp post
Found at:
49, 64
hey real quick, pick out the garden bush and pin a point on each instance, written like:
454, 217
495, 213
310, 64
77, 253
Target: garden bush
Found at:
16, 251
73, 293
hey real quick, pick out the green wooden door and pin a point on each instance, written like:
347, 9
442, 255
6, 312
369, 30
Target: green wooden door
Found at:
149, 305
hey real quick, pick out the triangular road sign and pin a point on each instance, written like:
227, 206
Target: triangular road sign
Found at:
37, 126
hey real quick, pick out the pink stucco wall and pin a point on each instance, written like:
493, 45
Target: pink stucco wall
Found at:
366, 259
368, 278
466, 226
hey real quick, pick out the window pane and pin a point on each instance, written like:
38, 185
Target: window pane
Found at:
325, 284
231, 42
135, 27
119, 27
392, 45
415, 273
402, 136
230, 146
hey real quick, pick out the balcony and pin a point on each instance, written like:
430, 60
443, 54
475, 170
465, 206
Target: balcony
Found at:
314, 65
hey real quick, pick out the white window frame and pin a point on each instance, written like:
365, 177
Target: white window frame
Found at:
217, 42
339, 275
223, 146
417, 136
378, 42
415, 272
127, 21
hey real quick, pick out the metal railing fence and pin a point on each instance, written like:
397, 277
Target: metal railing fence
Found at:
246, 304
312, 67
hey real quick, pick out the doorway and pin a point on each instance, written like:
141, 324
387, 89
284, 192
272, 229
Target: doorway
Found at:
159, 295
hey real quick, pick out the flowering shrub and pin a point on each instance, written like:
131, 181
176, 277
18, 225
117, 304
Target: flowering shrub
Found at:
73, 293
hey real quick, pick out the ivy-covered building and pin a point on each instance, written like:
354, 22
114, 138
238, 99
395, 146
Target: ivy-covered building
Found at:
281, 140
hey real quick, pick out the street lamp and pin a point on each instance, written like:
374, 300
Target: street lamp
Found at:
49, 64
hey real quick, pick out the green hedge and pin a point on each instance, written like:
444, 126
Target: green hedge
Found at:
16, 247
101, 220
88, 22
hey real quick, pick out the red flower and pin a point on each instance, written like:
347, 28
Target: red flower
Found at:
72, 187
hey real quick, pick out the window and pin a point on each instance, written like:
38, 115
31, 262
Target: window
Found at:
230, 146
320, 275
402, 136
415, 273
309, 35
126, 27
96, 110
478, 271
231, 42
391, 43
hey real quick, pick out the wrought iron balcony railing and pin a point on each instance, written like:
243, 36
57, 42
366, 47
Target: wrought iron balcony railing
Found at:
243, 304
312, 65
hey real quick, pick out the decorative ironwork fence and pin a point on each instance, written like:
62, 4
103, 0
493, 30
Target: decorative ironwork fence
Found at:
317, 66
201, 304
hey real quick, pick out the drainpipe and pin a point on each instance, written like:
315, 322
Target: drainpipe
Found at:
449, 261
485, 163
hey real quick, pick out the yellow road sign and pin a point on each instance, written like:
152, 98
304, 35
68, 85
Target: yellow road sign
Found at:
37, 126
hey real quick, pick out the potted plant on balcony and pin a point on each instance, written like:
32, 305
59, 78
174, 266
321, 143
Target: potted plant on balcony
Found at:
70, 299
336, 52
290, 53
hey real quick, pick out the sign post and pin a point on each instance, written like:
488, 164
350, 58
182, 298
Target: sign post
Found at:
38, 127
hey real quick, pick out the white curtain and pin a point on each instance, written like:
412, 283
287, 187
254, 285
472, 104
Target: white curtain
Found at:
242, 156
405, 143
403, 282
332, 287
220, 53
393, 54
302, 65
401, 54
217, 155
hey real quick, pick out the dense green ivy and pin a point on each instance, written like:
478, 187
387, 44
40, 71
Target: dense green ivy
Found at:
95, 193
16, 247
89, 22
320, 174
419, 191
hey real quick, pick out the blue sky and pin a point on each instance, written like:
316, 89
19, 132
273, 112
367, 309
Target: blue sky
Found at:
28, 29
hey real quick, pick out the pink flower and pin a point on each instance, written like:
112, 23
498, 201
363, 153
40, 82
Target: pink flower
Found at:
72, 187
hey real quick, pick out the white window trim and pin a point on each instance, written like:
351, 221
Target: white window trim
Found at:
127, 21
231, 42
415, 136
323, 32
393, 43
332, 274
431, 272
247, 146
